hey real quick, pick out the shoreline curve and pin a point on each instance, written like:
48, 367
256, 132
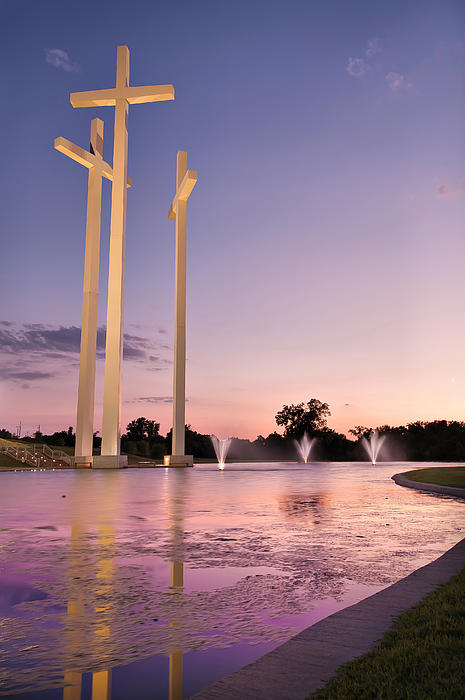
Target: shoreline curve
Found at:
401, 480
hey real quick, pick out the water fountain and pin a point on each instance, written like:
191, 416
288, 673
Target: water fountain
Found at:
373, 445
221, 449
304, 445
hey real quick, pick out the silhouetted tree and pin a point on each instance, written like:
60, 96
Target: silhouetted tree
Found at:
309, 417
360, 431
142, 438
141, 429
196, 444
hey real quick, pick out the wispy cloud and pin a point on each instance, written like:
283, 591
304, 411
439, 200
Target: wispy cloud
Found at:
443, 190
61, 59
151, 399
38, 338
34, 351
373, 46
7, 373
397, 81
356, 67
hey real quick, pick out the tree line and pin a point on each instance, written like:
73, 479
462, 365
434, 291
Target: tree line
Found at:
438, 440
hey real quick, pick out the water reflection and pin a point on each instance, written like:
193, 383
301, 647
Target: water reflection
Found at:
100, 558
90, 625
144, 576
174, 504
75, 612
305, 507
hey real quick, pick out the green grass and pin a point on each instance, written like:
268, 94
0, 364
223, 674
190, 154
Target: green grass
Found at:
421, 658
7, 462
444, 476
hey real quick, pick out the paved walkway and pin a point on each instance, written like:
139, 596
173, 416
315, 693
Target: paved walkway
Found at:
307, 661
402, 480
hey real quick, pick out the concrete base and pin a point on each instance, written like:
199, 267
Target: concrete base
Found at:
110, 461
178, 461
83, 462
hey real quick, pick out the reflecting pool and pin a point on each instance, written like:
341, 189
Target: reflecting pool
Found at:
153, 583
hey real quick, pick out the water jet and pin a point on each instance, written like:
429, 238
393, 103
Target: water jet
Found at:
373, 445
221, 448
304, 446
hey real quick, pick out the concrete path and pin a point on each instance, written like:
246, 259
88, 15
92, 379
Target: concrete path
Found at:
307, 661
402, 480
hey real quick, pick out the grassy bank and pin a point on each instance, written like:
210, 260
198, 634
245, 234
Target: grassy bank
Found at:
7, 462
422, 656
444, 476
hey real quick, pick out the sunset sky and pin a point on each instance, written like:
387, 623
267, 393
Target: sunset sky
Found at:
326, 241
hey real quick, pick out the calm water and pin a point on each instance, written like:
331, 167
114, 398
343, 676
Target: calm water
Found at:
153, 583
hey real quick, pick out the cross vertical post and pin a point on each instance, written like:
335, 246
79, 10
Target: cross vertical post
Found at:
179, 378
111, 428
185, 181
86, 388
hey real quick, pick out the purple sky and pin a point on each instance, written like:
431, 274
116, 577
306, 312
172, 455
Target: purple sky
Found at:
325, 234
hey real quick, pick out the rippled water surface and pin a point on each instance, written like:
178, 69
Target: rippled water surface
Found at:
153, 583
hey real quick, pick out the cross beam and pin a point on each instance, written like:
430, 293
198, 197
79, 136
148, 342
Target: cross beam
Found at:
183, 191
89, 160
185, 181
133, 95
119, 97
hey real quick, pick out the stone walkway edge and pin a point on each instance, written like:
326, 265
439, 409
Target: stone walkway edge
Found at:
307, 661
402, 480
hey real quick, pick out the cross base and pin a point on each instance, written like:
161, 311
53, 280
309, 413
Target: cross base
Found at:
83, 462
110, 461
178, 461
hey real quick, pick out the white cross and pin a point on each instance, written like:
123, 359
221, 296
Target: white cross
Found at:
98, 168
185, 181
119, 97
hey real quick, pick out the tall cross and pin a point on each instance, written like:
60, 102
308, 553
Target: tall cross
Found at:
92, 160
185, 181
119, 97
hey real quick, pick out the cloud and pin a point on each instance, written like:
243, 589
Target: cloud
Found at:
397, 82
356, 67
61, 59
151, 399
443, 190
373, 46
7, 373
38, 338
34, 351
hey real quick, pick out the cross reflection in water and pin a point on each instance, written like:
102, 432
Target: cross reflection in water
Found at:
104, 582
